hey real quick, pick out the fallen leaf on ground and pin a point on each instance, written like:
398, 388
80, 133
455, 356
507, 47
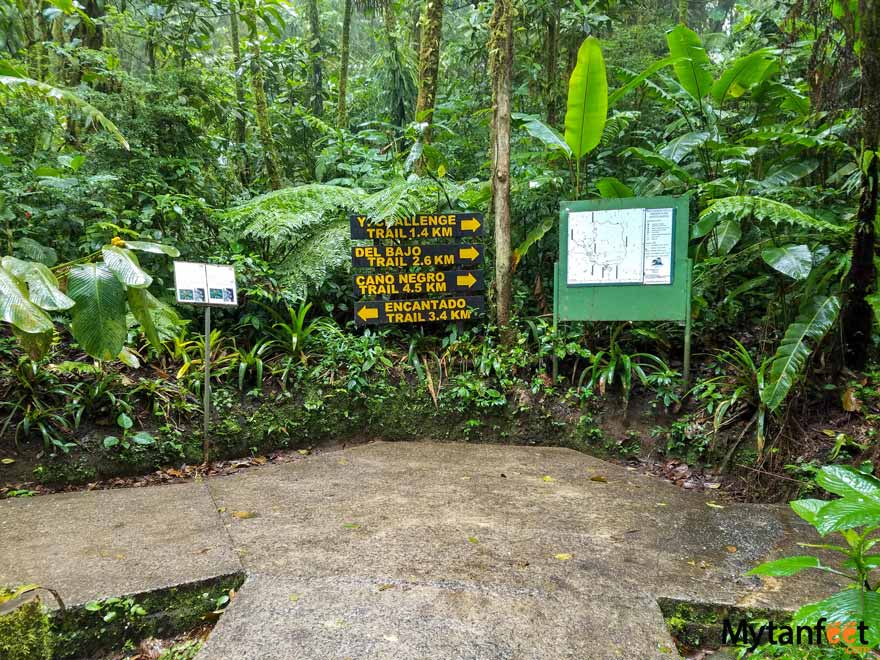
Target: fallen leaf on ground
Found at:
293, 598
385, 587
304, 452
244, 515
563, 556
547, 477
730, 548
599, 478
7, 461
714, 506
351, 526
473, 539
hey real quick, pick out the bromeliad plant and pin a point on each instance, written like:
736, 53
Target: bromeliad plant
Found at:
855, 516
101, 289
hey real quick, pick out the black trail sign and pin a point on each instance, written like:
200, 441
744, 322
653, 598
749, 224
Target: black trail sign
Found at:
416, 284
404, 256
424, 225
423, 310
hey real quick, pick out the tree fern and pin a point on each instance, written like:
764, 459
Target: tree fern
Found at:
408, 197
763, 209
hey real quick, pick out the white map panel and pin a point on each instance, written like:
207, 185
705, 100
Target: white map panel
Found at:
624, 246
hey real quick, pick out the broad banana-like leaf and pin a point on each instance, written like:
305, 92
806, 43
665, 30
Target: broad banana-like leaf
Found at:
692, 66
126, 267
155, 248
587, 100
17, 309
612, 187
98, 318
786, 365
31, 249
744, 73
796, 261
139, 303
725, 238
42, 286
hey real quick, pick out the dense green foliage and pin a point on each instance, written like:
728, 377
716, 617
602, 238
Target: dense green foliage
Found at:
131, 133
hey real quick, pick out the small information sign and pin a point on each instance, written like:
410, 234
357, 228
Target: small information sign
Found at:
205, 284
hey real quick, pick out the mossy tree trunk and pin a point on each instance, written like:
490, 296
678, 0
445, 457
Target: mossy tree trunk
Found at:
344, 54
862, 279
315, 54
429, 61
501, 66
398, 109
238, 72
261, 105
551, 79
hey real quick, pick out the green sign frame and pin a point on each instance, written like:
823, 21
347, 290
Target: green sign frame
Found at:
628, 302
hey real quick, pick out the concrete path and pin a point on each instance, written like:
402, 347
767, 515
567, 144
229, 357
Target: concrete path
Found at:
417, 550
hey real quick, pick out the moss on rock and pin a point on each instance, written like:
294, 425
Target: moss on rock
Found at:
25, 632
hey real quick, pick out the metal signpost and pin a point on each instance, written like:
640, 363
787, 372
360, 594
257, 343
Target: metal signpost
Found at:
403, 271
207, 285
624, 260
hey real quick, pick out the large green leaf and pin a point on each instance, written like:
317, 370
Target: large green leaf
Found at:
847, 481
725, 237
139, 304
660, 162
535, 235
785, 567
126, 267
17, 309
845, 606
692, 65
156, 248
34, 344
677, 148
98, 318
796, 261
42, 286
551, 138
807, 509
847, 513
790, 358
613, 187
744, 73
587, 100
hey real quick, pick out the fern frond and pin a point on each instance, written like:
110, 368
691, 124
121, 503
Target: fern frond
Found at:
316, 257
617, 124
283, 214
763, 209
408, 197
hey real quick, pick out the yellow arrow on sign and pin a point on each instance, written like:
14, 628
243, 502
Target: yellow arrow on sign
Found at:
468, 253
367, 313
466, 280
470, 225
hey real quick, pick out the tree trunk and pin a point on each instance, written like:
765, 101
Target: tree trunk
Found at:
238, 72
683, 11
341, 108
261, 106
862, 279
315, 56
551, 83
398, 109
429, 61
500, 67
